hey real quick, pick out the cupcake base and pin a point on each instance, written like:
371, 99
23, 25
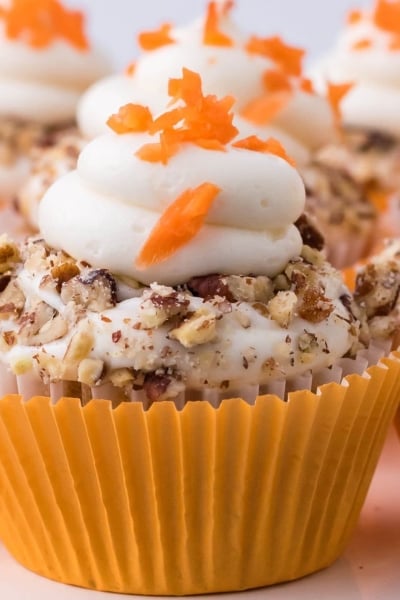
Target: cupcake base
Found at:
198, 500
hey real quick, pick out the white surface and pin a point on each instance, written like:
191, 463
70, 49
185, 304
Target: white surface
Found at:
369, 570
309, 23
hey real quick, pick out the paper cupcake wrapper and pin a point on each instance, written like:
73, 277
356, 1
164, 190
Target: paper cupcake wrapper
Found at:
198, 500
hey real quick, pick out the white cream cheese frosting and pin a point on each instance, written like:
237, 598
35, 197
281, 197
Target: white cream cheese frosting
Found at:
225, 70
104, 212
43, 85
369, 56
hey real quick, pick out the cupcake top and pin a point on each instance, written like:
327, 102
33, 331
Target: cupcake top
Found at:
263, 74
46, 61
367, 53
175, 263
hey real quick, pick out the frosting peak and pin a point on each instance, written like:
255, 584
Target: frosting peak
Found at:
230, 63
368, 54
45, 61
222, 205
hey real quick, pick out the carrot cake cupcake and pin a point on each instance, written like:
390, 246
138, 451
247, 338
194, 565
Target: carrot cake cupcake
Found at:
171, 285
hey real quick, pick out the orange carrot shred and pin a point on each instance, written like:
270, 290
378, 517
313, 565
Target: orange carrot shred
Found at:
336, 93
212, 35
288, 58
40, 23
262, 110
306, 85
211, 145
354, 17
131, 118
188, 88
379, 198
276, 81
386, 15
178, 225
151, 40
130, 69
362, 44
395, 43
270, 146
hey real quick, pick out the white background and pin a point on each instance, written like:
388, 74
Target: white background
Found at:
309, 23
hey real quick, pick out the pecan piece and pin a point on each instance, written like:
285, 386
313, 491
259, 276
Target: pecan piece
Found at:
96, 290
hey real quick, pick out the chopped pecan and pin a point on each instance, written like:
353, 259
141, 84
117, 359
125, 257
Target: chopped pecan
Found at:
310, 235
156, 386
9, 254
199, 328
90, 371
281, 308
63, 272
314, 306
96, 290
161, 303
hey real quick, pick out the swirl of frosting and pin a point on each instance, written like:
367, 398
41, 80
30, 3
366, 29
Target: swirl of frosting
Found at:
228, 64
368, 54
106, 211
45, 63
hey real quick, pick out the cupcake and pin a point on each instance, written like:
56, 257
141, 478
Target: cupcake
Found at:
175, 284
47, 62
273, 98
367, 53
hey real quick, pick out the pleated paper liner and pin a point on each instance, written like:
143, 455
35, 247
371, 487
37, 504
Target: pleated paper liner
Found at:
202, 499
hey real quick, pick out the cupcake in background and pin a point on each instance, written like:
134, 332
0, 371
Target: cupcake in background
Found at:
273, 98
46, 62
202, 471
367, 53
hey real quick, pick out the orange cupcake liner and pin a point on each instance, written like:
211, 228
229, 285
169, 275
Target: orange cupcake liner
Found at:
189, 501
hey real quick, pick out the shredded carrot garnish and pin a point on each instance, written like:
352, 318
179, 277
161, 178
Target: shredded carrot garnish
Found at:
131, 118
151, 40
262, 110
336, 93
288, 58
179, 224
202, 120
270, 146
306, 85
386, 15
40, 23
130, 69
212, 35
276, 81
362, 44
395, 43
354, 17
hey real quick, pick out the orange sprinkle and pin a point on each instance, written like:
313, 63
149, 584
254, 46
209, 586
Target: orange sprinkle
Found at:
336, 93
306, 85
276, 81
387, 15
212, 35
41, 22
354, 17
130, 69
151, 40
288, 58
262, 110
131, 118
362, 44
179, 224
270, 146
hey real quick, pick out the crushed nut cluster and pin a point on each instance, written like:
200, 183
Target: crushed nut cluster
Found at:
68, 298
377, 294
336, 202
53, 156
18, 137
367, 156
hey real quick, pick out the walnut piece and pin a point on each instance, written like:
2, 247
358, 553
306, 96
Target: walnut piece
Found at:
96, 290
282, 307
199, 328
